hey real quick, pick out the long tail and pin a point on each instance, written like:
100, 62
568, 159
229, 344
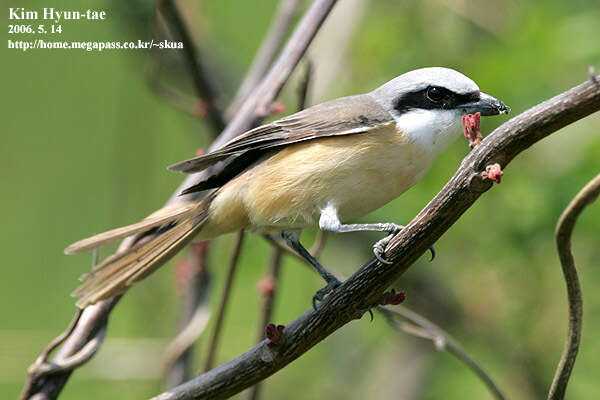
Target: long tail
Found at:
121, 270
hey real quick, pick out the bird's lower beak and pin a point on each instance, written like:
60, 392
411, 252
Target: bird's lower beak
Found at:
486, 105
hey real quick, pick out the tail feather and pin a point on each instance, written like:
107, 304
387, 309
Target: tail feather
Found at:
123, 257
119, 271
159, 218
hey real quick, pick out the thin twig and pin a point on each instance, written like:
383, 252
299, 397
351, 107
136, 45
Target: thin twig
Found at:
194, 281
564, 231
60, 338
279, 28
268, 297
366, 286
214, 339
71, 362
191, 105
319, 245
199, 75
305, 83
315, 250
74, 351
32, 371
277, 240
195, 106
178, 99
441, 339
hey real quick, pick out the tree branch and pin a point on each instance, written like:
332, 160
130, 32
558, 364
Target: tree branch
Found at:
564, 231
195, 106
365, 288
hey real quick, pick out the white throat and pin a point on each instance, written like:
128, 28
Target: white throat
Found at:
432, 130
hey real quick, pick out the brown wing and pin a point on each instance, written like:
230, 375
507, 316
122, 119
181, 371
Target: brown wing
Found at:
344, 116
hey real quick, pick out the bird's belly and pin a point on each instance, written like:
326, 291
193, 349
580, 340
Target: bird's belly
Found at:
357, 173
374, 179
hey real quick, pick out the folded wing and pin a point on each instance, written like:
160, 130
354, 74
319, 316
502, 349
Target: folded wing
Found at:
344, 116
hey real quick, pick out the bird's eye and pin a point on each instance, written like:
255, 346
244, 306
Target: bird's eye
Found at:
435, 93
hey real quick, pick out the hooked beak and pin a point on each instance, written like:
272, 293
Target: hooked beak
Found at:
486, 105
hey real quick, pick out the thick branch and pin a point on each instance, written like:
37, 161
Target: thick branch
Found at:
364, 289
564, 231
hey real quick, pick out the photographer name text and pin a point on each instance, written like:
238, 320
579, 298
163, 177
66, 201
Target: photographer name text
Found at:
54, 15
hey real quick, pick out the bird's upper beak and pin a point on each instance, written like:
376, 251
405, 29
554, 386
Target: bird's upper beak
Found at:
486, 105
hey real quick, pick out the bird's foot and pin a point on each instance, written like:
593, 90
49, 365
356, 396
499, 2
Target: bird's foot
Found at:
321, 293
379, 246
392, 228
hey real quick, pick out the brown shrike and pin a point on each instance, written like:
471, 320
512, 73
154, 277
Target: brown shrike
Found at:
321, 167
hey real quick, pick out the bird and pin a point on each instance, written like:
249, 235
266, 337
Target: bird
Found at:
321, 167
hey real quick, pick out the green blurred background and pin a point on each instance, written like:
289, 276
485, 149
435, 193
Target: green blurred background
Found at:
85, 143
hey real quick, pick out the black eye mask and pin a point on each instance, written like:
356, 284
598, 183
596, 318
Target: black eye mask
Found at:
433, 98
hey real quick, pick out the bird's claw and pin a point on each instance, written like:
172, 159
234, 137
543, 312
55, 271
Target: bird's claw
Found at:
432, 250
371, 314
321, 293
379, 248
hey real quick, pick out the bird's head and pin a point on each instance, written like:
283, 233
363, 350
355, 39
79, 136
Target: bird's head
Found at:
428, 104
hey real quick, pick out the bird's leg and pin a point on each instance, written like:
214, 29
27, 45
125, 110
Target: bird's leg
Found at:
389, 227
329, 221
292, 240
